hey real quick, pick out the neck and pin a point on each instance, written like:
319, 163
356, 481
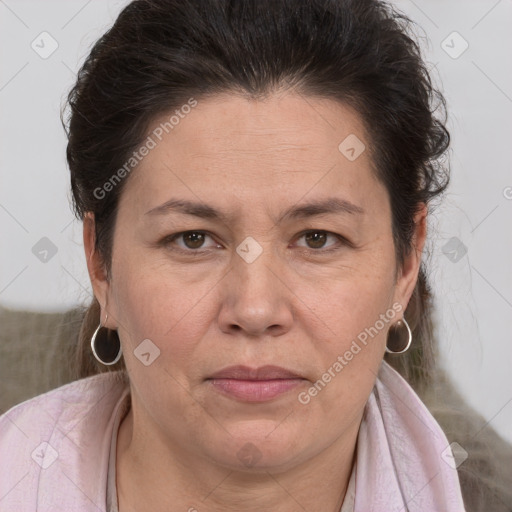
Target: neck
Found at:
153, 475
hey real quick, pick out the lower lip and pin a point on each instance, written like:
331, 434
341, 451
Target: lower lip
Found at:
255, 390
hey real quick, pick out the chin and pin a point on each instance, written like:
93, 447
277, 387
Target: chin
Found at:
259, 445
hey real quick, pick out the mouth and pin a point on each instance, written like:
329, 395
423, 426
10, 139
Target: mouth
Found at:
255, 384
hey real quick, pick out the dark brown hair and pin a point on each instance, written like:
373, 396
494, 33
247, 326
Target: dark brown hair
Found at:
160, 53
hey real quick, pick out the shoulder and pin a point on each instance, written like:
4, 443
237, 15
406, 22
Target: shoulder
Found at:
62, 405
59, 441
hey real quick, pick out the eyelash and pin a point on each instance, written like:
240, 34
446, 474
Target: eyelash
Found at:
166, 242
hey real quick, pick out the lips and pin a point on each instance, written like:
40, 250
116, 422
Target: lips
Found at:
254, 384
262, 373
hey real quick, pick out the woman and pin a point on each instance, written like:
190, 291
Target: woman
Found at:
254, 179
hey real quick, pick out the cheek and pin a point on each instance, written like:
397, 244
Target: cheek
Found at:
169, 308
352, 312
349, 358
348, 299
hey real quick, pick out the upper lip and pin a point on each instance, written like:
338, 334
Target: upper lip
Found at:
268, 372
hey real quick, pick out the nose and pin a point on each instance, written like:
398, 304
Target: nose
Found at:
257, 300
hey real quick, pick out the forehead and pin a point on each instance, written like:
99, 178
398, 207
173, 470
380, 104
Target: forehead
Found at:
284, 145
281, 122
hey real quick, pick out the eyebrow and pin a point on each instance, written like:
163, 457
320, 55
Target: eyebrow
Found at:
331, 205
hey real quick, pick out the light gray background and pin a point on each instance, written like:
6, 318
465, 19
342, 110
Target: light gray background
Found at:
474, 294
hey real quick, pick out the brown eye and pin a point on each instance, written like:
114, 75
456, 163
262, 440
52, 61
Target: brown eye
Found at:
316, 239
191, 242
193, 239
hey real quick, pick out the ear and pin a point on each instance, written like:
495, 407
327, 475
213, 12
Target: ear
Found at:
96, 268
408, 274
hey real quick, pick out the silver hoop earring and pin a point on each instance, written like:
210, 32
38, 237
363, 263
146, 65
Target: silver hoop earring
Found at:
107, 348
399, 338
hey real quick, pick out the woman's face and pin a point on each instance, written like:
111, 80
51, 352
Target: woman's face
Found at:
263, 278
